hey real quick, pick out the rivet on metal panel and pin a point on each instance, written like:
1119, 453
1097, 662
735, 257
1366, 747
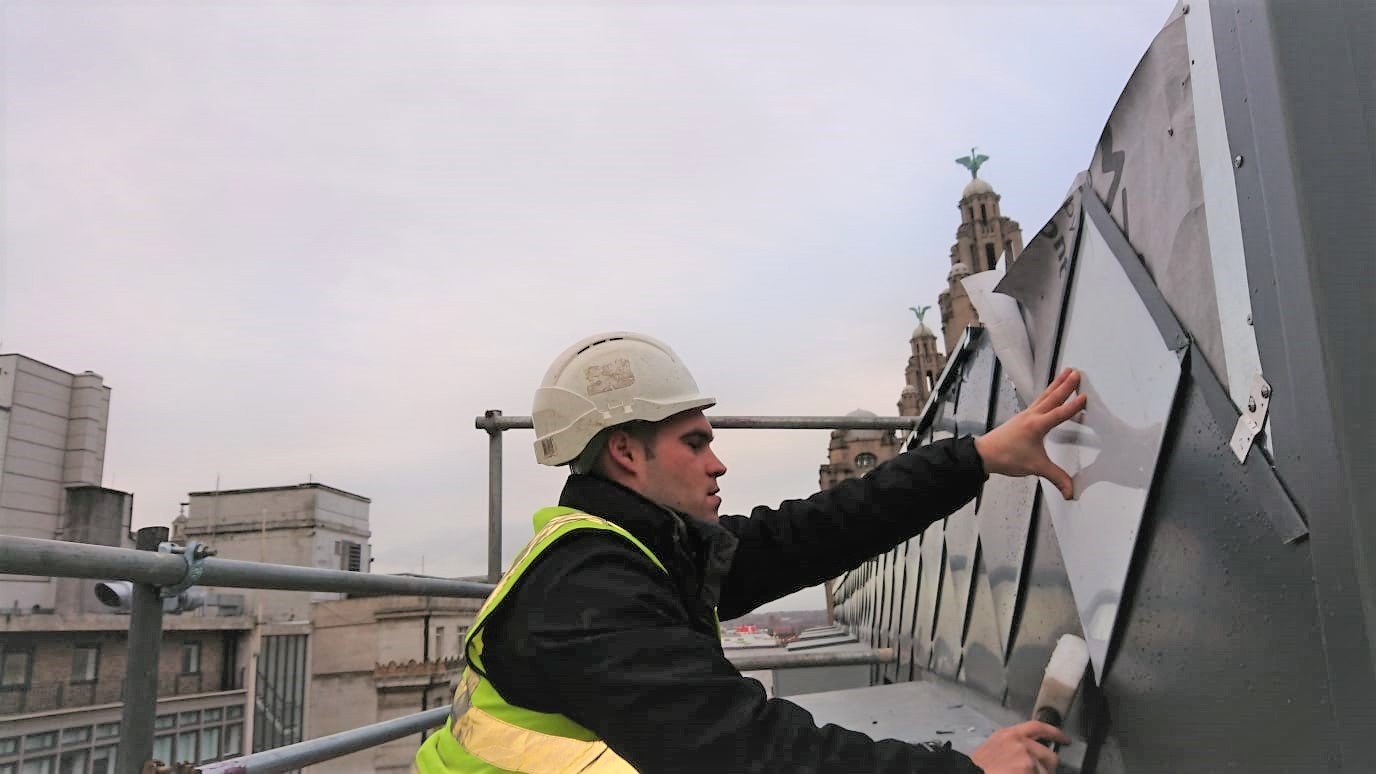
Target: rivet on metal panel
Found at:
1185, 9
1249, 425
1237, 161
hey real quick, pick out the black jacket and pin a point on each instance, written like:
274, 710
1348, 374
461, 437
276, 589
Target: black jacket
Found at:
595, 631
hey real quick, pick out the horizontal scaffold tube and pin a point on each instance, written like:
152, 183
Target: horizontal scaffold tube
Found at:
498, 423
747, 662
33, 556
325, 748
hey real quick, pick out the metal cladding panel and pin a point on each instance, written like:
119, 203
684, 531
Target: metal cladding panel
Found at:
1130, 379
974, 390
1046, 611
1218, 665
970, 416
894, 628
955, 591
933, 544
912, 568
1003, 519
982, 662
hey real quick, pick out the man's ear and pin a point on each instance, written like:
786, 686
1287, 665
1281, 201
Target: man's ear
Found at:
624, 454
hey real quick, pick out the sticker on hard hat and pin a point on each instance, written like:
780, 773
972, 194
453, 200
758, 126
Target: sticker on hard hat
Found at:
605, 377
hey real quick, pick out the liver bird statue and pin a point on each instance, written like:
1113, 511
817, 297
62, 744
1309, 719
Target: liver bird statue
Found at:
973, 162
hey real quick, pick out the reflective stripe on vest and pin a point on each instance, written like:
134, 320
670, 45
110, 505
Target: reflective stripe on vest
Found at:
486, 734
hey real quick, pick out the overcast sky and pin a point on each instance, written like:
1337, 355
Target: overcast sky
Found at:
314, 241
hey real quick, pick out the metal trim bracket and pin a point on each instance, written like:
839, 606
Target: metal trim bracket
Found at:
194, 554
1253, 418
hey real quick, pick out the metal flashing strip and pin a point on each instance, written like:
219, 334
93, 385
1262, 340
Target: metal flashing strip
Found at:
1223, 223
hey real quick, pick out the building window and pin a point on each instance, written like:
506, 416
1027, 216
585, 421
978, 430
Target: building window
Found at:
439, 643
350, 555
983, 215
865, 460
38, 765
85, 663
233, 739
186, 747
9, 745
76, 735
14, 669
191, 658
103, 761
989, 254
164, 722
73, 762
210, 744
45, 741
107, 730
162, 748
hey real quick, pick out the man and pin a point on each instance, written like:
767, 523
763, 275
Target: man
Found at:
599, 651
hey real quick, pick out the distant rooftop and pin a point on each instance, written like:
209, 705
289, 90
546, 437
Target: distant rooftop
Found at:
289, 488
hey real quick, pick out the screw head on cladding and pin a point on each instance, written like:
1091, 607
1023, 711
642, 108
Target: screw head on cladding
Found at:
1237, 161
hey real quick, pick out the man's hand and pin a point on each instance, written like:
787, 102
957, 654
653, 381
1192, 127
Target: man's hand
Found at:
1017, 447
1016, 749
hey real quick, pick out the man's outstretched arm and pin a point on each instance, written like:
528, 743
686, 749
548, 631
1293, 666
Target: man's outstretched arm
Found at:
804, 542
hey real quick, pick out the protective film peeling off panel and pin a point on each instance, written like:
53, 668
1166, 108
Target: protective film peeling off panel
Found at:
1130, 379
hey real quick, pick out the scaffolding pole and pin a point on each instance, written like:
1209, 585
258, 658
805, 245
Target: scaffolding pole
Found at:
325, 748
35, 556
746, 662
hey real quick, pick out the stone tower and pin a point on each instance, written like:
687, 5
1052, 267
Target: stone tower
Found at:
984, 235
924, 366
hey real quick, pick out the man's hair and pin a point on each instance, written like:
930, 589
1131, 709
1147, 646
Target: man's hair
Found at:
638, 429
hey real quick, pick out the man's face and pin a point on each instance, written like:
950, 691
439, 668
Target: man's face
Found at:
682, 470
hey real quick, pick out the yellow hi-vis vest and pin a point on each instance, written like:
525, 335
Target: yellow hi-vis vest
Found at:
486, 734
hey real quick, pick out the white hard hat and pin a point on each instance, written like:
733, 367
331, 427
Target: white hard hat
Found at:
606, 380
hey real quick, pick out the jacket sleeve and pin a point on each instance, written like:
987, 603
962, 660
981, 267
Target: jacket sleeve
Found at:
804, 542
610, 646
